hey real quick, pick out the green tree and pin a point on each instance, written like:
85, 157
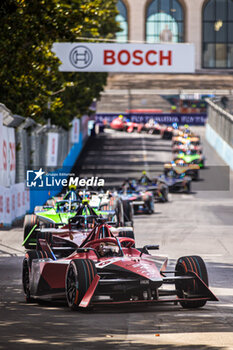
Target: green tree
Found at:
30, 83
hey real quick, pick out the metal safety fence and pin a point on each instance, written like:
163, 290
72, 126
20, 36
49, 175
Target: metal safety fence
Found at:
25, 144
219, 127
220, 118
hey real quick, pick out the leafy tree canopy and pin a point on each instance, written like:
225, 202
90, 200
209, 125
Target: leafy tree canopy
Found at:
30, 83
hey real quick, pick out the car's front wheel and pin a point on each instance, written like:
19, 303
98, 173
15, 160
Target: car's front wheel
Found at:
79, 275
186, 288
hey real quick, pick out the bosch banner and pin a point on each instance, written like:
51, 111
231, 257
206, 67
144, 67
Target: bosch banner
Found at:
138, 58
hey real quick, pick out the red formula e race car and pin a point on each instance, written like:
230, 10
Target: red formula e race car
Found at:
123, 124
104, 269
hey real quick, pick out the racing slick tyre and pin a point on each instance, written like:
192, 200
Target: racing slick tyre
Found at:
150, 205
127, 233
128, 213
29, 222
79, 275
196, 175
48, 225
44, 235
119, 212
164, 191
27, 264
191, 287
187, 187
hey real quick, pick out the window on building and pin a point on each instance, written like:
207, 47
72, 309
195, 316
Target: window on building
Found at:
164, 21
122, 18
218, 34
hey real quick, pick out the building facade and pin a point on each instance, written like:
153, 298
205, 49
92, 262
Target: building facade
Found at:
208, 24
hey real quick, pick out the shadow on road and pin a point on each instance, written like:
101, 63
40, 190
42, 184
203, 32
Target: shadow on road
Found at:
53, 325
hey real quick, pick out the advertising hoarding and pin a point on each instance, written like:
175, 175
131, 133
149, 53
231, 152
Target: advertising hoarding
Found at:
128, 58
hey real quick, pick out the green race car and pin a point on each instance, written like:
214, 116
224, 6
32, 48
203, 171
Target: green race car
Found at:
192, 159
63, 210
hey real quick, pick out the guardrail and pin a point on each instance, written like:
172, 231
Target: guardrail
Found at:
219, 128
220, 120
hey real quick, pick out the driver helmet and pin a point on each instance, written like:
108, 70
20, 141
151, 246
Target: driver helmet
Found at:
107, 249
72, 187
170, 173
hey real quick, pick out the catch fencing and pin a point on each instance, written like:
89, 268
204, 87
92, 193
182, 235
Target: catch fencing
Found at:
24, 145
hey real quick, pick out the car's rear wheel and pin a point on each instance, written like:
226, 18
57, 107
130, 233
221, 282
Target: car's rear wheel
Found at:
48, 224
196, 175
187, 187
29, 222
128, 234
27, 264
119, 212
45, 235
164, 191
150, 205
191, 287
80, 274
128, 213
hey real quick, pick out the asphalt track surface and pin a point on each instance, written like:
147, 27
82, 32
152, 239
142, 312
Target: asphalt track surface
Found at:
197, 224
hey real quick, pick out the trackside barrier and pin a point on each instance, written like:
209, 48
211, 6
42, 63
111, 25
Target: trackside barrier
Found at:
14, 203
24, 144
221, 146
14, 198
219, 131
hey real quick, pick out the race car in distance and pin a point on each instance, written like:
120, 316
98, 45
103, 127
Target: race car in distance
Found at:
104, 270
186, 145
59, 213
176, 182
102, 205
181, 167
75, 230
121, 123
166, 132
157, 187
152, 127
191, 157
183, 131
49, 216
186, 138
141, 201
